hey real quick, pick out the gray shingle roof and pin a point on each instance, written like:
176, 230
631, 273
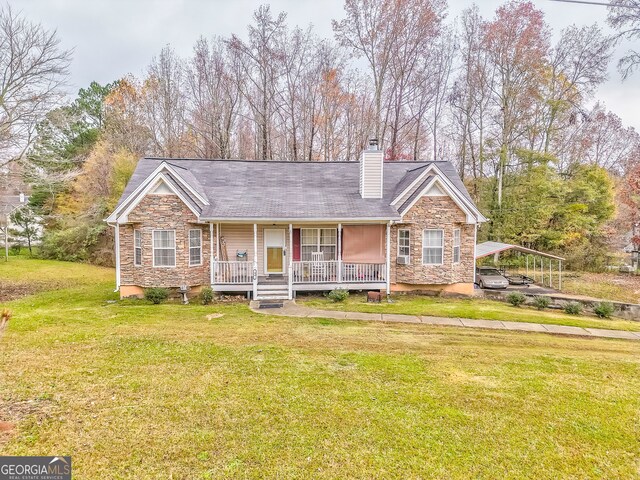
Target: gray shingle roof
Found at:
240, 189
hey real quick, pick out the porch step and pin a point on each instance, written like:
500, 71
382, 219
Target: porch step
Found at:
272, 291
262, 298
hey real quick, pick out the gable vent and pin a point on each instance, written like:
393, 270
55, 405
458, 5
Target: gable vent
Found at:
371, 171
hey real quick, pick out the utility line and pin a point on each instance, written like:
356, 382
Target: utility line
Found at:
585, 2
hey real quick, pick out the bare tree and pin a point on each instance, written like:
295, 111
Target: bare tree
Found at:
259, 73
164, 103
33, 70
624, 16
214, 99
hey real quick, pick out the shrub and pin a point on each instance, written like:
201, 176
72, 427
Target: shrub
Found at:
206, 295
15, 249
541, 302
604, 309
516, 299
338, 295
156, 295
573, 308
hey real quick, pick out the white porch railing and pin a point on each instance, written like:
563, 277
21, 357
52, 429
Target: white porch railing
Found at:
232, 273
323, 271
363, 272
328, 271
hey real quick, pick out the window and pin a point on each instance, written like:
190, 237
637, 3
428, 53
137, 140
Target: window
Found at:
323, 240
164, 248
404, 246
456, 245
432, 247
137, 248
195, 247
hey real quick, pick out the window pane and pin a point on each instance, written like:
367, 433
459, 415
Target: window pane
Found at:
195, 238
433, 238
328, 236
164, 239
194, 256
164, 257
329, 253
306, 253
309, 236
137, 238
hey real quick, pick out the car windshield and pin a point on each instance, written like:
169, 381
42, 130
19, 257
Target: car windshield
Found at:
490, 271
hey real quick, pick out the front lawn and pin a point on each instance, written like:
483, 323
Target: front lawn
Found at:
132, 390
464, 308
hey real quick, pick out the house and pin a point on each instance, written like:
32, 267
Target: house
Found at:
274, 228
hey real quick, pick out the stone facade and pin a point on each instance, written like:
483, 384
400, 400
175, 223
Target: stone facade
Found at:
163, 212
433, 212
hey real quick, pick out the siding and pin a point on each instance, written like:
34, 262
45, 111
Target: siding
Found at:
371, 171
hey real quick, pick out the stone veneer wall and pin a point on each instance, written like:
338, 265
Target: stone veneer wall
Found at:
163, 212
439, 213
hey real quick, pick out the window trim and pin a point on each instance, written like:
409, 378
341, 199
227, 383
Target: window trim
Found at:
136, 247
153, 246
403, 246
199, 247
424, 231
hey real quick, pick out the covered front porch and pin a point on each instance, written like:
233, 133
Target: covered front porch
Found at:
277, 259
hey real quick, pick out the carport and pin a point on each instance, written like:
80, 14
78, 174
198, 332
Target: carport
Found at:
536, 266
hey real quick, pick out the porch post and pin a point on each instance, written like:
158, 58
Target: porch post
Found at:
212, 264
290, 273
339, 253
218, 241
117, 241
388, 272
255, 261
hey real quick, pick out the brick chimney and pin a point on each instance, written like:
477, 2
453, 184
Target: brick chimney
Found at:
371, 170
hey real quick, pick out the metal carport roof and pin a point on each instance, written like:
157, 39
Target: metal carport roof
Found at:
490, 248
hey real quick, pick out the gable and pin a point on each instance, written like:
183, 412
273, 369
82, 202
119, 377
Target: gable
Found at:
440, 208
161, 210
435, 191
161, 188
435, 187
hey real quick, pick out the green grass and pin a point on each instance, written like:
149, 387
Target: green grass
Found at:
465, 308
132, 390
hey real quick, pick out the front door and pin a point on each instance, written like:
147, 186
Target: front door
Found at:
274, 250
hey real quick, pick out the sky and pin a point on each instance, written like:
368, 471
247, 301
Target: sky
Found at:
112, 38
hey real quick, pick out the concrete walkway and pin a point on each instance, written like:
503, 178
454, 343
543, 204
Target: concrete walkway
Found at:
291, 309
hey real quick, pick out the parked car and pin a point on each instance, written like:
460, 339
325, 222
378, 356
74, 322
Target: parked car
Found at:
489, 277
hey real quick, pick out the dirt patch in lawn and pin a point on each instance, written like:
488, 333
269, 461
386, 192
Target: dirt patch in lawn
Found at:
14, 411
11, 290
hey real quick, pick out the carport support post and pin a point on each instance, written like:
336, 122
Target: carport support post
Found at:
550, 273
560, 275
527, 261
534, 269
